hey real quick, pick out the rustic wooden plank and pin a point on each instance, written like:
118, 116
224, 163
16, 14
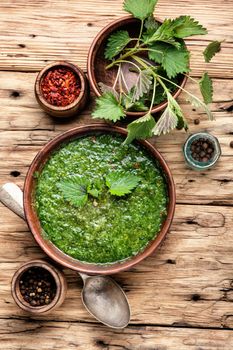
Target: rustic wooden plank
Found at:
31, 35
16, 334
187, 282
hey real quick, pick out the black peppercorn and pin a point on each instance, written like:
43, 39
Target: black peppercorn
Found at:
202, 150
37, 287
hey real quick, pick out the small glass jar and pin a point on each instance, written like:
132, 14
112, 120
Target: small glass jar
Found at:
201, 165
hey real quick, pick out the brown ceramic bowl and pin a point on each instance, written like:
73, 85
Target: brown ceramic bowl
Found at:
60, 281
34, 223
71, 109
96, 64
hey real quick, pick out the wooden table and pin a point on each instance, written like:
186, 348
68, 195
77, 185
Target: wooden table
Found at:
181, 298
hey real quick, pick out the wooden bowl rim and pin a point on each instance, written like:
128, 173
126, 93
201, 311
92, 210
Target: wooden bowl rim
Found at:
83, 85
33, 222
102, 35
60, 286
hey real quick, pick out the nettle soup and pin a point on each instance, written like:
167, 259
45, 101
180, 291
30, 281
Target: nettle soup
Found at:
101, 201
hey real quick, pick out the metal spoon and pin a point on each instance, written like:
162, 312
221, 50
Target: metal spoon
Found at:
102, 297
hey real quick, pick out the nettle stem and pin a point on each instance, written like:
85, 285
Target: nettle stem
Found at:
153, 96
136, 49
180, 87
126, 55
194, 80
140, 34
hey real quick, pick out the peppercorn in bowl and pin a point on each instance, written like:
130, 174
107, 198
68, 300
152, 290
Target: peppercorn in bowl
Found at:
38, 287
201, 151
61, 89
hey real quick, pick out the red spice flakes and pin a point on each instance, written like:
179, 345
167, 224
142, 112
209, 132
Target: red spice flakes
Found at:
60, 86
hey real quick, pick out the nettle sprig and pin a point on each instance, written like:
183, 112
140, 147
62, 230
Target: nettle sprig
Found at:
159, 57
77, 190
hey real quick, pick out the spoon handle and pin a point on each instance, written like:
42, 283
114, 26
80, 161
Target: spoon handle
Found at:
83, 276
12, 197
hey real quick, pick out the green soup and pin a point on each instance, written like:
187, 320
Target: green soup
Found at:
107, 229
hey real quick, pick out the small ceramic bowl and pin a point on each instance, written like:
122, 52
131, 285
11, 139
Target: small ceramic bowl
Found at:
34, 223
194, 164
75, 107
96, 64
56, 275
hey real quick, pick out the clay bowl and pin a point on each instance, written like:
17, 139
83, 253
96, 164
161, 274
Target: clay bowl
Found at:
33, 222
96, 64
71, 109
60, 281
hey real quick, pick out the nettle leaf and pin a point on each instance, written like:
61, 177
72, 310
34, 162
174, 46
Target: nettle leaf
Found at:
171, 118
165, 31
140, 8
95, 188
211, 50
175, 61
116, 43
195, 102
206, 87
94, 192
108, 108
157, 51
151, 24
140, 128
167, 122
105, 88
142, 85
120, 184
137, 106
180, 27
185, 26
74, 191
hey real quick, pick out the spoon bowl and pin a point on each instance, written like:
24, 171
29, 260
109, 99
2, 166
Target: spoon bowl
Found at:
106, 301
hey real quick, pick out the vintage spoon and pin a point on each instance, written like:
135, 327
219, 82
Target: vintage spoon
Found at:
102, 297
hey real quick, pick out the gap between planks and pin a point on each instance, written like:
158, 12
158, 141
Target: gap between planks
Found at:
135, 325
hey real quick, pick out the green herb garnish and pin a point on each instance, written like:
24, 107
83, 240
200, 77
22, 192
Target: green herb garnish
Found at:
157, 76
120, 184
77, 190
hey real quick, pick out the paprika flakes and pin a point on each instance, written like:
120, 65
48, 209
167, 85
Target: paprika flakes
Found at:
60, 86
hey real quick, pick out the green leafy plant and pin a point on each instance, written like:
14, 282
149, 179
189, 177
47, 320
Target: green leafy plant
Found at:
159, 58
120, 184
77, 190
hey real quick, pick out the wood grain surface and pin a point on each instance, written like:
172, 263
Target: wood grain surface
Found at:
182, 297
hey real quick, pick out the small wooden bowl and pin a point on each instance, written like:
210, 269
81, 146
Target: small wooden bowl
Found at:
96, 64
60, 281
71, 109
